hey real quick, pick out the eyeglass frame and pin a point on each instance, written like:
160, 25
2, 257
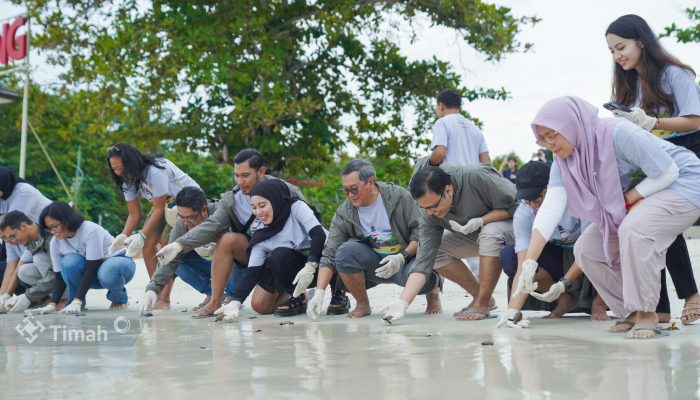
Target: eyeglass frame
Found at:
52, 229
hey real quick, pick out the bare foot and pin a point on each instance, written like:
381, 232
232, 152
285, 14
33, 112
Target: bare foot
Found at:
61, 304
360, 310
202, 304
599, 310
118, 306
663, 317
474, 313
565, 303
492, 306
624, 325
434, 305
208, 308
691, 309
161, 305
645, 326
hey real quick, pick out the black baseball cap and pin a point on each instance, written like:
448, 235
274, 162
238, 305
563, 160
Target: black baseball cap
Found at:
531, 180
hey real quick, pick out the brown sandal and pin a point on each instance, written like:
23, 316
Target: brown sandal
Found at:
691, 312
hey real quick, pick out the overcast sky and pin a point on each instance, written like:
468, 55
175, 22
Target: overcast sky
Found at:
570, 56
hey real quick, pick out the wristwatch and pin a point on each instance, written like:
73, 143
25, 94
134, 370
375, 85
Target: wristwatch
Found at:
405, 255
568, 283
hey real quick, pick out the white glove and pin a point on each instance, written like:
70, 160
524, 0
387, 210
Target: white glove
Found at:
472, 226
21, 304
229, 312
134, 244
394, 311
514, 319
525, 282
207, 250
552, 294
117, 243
75, 307
149, 300
3, 301
638, 117
47, 309
168, 253
391, 265
304, 278
313, 307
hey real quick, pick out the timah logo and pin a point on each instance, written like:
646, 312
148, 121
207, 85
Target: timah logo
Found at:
30, 329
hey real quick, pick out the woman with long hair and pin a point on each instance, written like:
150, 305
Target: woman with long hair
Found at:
157, 180
665, 99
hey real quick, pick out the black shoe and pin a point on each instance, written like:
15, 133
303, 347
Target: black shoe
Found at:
293, 306
340, 303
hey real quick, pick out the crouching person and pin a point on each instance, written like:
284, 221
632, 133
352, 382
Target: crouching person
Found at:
80, 257
36, 276
282, 254
192, 267
372, 240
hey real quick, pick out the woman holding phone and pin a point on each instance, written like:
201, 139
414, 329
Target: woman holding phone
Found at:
665, 100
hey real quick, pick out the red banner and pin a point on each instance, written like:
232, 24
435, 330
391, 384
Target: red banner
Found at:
13, 47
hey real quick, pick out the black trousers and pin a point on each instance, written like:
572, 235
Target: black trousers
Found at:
677, 258
281, 268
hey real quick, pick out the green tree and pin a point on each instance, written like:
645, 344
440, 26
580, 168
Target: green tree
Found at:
685, 35
295, 79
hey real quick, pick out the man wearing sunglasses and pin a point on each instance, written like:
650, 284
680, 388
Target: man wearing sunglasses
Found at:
192, 267
372, 240
36, 275
465, 211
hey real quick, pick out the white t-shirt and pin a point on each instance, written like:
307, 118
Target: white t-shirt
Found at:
376, 228
567, 232
464, 141
29, 200
294, 235
91, 241
158, 182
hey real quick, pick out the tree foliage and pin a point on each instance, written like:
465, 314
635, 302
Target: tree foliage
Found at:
689, 34
297, 80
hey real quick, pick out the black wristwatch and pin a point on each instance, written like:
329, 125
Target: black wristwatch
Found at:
568, 283
405, 255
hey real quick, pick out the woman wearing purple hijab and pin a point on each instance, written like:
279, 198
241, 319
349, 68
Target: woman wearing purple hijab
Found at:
623, 251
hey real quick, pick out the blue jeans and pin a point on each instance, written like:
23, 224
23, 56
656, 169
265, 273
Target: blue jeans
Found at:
196, 272
113, 275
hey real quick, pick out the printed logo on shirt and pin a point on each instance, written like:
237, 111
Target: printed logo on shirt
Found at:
384, 243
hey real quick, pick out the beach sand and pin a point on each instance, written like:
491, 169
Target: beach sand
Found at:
172, 356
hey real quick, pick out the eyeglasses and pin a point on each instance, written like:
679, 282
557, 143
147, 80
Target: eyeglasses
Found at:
434, 206
190, 218
354, 190
546, 141
53, 228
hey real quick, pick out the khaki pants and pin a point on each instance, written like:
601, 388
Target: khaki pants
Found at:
488, 241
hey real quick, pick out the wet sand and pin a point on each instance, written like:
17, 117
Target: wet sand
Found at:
171, 355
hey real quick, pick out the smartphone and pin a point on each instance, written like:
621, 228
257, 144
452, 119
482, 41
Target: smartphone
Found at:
614, 105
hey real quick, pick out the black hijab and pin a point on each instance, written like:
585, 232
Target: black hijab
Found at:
8, 181
277, 192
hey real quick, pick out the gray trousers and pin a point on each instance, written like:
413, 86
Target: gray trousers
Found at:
354, 257
38, 276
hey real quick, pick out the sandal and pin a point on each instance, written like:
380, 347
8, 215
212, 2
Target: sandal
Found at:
293, 306
691, 312
340, 303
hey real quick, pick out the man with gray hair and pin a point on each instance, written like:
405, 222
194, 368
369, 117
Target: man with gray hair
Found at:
373, 239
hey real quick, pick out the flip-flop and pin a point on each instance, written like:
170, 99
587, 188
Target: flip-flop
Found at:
485, 315
456, 313
657, 333
209, 314
629, 324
